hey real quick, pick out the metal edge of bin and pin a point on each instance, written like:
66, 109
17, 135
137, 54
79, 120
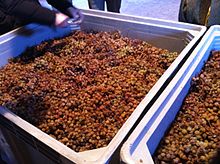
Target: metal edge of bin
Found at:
144, 140
198, 32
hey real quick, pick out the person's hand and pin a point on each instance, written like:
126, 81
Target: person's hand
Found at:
61, 20
75, 14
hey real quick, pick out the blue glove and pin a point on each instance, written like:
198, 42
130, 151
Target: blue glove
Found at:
75, 15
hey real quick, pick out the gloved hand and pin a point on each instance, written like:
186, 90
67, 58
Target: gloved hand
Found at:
75, 14
61, 20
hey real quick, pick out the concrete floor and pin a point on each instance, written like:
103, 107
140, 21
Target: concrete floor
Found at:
162, 9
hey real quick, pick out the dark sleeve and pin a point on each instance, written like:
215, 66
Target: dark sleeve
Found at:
6, 23
28, 10
60, 5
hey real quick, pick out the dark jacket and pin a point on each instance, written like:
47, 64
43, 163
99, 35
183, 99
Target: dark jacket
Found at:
14, 13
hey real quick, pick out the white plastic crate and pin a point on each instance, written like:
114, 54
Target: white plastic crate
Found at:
173, 36
144, 140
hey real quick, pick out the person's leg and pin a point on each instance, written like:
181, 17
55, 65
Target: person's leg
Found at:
113, 5
214, 17
193, 11
97, 4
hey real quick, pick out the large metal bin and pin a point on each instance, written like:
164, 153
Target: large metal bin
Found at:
144, 140
173, 36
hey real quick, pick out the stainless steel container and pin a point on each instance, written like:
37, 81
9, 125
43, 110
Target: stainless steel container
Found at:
144, 140
173, 36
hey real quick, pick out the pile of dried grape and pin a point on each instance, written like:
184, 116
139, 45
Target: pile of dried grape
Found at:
194, 137
82, 88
